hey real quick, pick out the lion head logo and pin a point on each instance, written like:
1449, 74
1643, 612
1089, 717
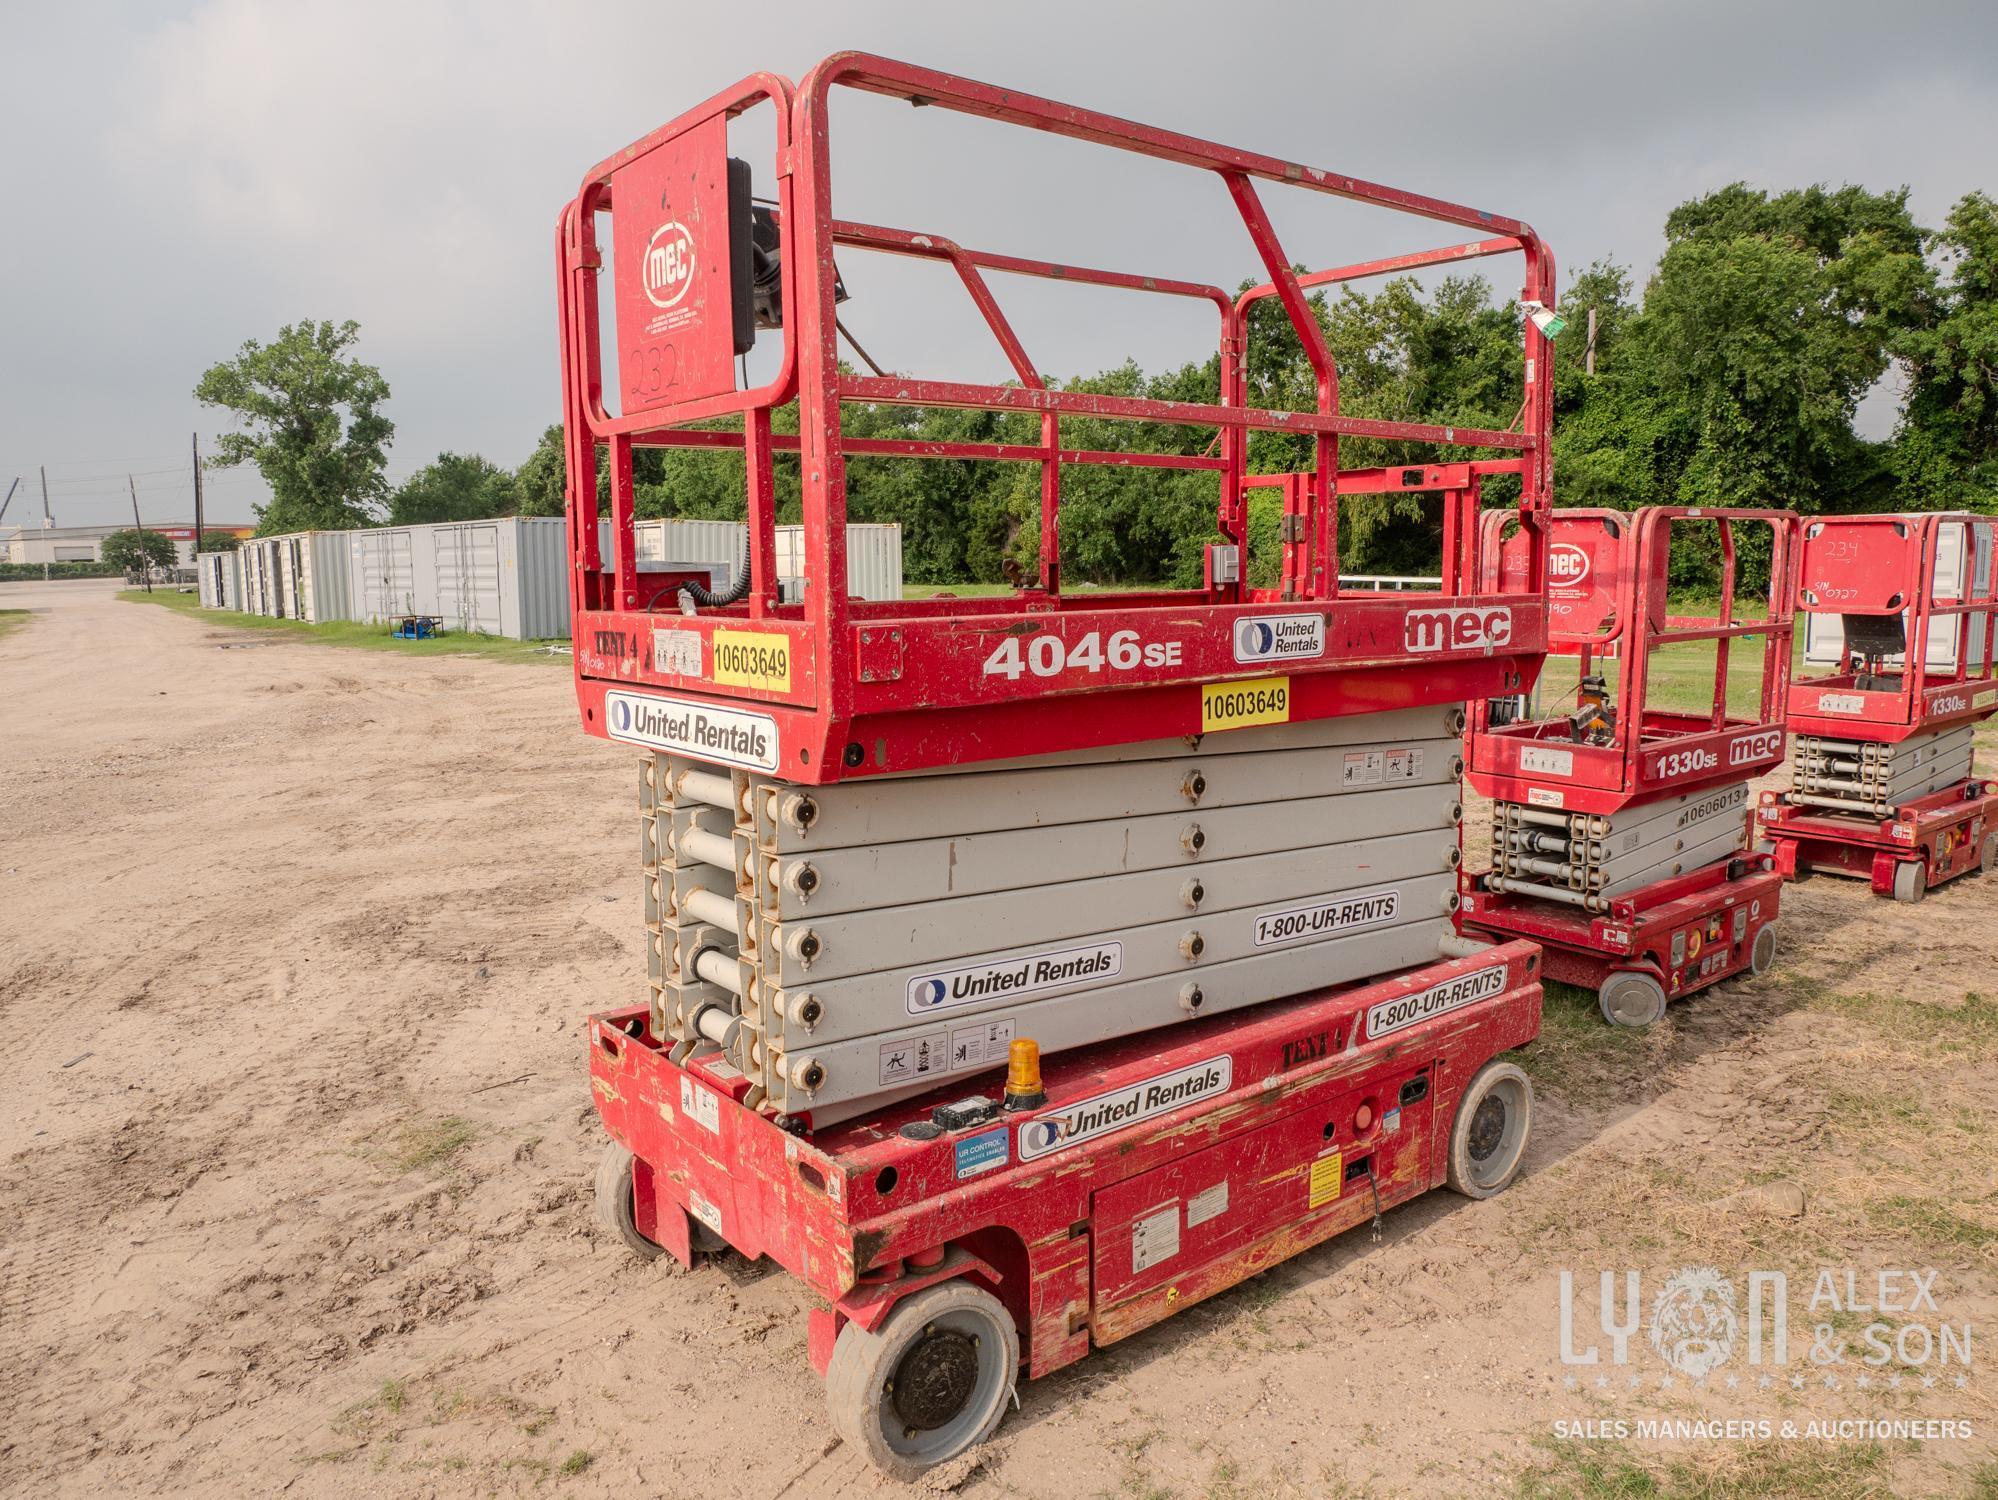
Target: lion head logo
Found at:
1693, 1322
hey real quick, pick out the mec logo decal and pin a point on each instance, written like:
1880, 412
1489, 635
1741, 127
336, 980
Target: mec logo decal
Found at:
669, 264
1456, 629
1567, 564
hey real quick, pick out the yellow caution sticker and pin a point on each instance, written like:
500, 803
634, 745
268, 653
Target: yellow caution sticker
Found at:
1328, 1175
753, 658
1237, 705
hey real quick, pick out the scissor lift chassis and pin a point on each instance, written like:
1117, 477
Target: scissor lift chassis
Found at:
1911, 850
1303, 1118
1650, 931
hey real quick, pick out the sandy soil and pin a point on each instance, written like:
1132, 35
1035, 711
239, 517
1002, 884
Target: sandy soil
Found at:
295, 1145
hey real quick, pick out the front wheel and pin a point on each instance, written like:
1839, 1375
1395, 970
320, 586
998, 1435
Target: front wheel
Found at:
1488, 1139
932, 1381
616, 1210
1762, 954
1911, 881
1631, 997
1987, 855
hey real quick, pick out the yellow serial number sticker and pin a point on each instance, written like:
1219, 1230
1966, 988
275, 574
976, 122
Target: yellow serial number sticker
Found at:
1328, 1175
1237, 705
749, 658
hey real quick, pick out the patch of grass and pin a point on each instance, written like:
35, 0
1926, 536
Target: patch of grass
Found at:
373, 1411
430, 1145
1931, 1221
576, 1463
12, 620
1577, 1051
1764, 1471
1968, 1030
355, 634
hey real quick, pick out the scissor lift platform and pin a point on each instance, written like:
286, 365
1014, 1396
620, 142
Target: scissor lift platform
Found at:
1620, 828
1881, 592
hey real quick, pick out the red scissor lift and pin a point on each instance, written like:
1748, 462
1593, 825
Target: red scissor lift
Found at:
1590, 798
1885, 591
1315, 1112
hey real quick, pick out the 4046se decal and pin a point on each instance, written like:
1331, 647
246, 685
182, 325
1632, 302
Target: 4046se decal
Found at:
1048, 655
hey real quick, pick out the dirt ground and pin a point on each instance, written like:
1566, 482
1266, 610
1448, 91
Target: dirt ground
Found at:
295, 1150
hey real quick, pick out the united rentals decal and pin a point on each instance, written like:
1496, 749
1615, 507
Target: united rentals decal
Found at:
1452, 994
1125, 1106
727, 735
1017, 974
1347, 913
1279, 638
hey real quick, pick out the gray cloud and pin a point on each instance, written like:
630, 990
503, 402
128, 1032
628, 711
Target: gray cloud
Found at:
183, 178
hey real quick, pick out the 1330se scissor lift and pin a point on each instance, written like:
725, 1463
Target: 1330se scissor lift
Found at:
1620, 825
1882, 781
1197, 847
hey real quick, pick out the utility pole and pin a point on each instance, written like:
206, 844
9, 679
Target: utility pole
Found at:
47, 519
1589, 353
195, 439
10, 497
145, 564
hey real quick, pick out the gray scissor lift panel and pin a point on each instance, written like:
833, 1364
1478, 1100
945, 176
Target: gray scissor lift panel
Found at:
849, 944
1585, 859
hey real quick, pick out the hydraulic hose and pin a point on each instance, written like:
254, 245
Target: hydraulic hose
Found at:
703, 597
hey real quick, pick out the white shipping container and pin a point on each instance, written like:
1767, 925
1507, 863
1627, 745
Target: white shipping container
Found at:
873, 551
299, 576
504, 577
221, 578
394, 572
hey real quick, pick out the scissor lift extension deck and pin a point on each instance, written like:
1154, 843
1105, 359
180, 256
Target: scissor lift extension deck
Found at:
1157, 1173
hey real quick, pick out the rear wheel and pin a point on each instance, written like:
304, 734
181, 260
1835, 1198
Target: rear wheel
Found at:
1762, 955
1987, 855
1631, 997
932, 1381
1488, 1139
616, 1210
1911, 881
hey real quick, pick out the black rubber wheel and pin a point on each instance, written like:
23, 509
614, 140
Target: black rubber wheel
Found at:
1911, 881
615, 1209
1762, 955
1488, 1138
1631, 997
933, 1381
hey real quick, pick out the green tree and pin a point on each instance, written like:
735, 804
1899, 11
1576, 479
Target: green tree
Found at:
1946, 450
219, 541
457, 487
539, 482
309, 418
133, 550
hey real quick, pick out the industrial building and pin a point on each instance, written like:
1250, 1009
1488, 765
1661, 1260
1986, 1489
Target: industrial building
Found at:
85, 544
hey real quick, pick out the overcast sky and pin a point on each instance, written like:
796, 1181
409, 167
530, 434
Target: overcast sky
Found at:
183, 177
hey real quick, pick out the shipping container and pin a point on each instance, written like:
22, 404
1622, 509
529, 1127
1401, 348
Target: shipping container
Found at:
393, 571
221, 578
873, 551
300, 576
504, 577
